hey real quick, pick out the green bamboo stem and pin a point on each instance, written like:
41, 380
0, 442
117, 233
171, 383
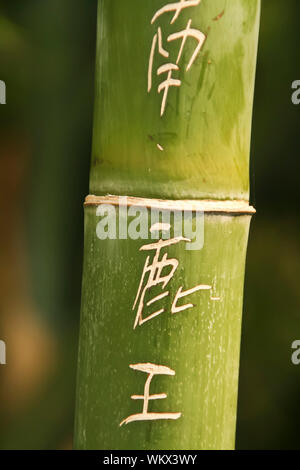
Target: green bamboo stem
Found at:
195, 148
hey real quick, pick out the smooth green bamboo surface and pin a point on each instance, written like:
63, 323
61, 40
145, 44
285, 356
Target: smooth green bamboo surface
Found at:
205, 130
200, 344
196, 147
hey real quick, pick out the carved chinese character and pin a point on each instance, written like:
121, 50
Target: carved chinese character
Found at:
151, 370
157, 44
154, 272
155, 277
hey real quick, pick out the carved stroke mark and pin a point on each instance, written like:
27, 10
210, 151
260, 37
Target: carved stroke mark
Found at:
161, 50
176, 7
160, 227
188, 32
181, 294
165, 85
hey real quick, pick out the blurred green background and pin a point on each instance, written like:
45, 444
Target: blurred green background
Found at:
47, 50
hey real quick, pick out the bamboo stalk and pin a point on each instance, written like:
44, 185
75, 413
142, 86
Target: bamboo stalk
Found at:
161, 320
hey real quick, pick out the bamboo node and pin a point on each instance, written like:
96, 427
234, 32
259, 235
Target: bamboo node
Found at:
236, 207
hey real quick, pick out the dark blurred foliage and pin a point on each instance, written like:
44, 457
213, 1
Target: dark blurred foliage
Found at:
47, 50
269, 409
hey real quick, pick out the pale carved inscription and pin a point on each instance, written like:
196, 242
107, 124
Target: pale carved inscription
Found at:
159, 271
152, 370
171, 69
